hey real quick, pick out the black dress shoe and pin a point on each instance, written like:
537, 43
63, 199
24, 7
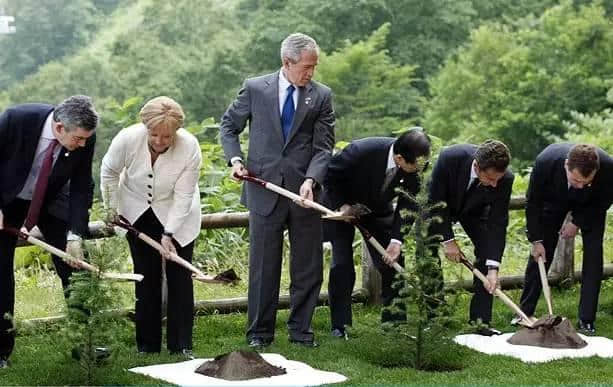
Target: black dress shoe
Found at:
259, 342
587, 328
341, 333
187, 354
305, 343
4, 363
100, 353
487, 331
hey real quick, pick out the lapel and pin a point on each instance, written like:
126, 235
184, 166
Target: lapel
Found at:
271, 98
301, 110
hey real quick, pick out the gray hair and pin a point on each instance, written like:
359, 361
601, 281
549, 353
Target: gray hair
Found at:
293, 46
76, 112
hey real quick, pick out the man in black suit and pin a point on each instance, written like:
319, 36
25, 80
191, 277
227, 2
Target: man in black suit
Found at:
30, 136
475, 184
576, 178
368, 171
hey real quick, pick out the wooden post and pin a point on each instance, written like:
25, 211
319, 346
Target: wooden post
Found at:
371, 279
563, 264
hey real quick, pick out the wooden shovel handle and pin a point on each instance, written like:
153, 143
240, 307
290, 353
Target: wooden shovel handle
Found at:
498, 293
67, 257
198, 274
545, 284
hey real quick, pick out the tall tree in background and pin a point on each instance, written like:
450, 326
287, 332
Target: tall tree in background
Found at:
519, 84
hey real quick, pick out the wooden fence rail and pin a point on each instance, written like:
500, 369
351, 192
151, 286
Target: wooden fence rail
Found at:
561, 273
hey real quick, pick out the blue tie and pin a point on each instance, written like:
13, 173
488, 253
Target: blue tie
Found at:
287, 116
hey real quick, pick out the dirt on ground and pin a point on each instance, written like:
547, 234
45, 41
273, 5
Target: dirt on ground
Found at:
549, 332
239, 365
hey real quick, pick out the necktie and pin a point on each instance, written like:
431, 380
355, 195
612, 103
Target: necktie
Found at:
41, 186
389, 177
287, 116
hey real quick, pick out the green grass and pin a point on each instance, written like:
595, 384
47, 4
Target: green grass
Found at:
370, 357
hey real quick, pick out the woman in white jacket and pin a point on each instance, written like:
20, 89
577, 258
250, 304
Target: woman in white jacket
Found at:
149, 175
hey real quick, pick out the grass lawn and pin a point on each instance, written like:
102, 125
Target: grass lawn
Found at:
370, 357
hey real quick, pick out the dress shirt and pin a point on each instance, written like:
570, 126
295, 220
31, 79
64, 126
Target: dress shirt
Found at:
283, 85
46, 138
131, 185
391, 164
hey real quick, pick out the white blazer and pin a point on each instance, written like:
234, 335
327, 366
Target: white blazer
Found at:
130, 184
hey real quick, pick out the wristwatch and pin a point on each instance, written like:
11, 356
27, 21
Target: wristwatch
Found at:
492, 267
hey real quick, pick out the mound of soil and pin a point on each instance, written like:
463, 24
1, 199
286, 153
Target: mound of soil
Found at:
228, 276
549, 334
239, 365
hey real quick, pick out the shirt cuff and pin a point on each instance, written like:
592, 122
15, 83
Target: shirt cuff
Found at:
396, 241
235, 158
447, 241
73, 237
491, 262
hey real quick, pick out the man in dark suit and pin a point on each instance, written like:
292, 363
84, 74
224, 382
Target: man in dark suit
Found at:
368, 171
579, 179
475, 184
31, 137
291, 136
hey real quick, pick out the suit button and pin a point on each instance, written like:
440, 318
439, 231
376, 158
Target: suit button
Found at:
149, 186
149, 194
149, 201
150, 176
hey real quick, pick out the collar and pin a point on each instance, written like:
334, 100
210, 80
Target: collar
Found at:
283, 82
390, 159
47, 132
473, 174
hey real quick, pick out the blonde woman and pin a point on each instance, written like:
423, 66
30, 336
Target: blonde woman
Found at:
149, 175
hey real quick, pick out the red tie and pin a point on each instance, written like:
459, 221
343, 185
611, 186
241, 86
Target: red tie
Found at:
41, 186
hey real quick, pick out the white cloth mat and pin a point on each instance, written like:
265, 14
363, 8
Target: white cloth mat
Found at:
497, 345
298, 374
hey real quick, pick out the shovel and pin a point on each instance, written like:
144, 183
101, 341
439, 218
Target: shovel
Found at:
225, 277
527, 321
328, 213
70, 259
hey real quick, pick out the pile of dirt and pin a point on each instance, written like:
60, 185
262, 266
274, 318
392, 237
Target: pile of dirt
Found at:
239, 365
228, 276
549, 332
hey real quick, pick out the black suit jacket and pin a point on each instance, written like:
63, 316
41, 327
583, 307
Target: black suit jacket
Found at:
548, 194
356, 175
489, 205
20, 130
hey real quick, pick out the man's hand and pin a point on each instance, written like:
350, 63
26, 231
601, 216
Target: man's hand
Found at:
169, 247
452, 251
538, 251
392, 253
306, 192
492, 277
74, 248
568, 230
238, 169
1, 220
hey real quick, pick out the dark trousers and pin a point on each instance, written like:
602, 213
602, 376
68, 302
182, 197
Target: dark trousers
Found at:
180, 312
265, 258
54, 230
342, 270
591, 271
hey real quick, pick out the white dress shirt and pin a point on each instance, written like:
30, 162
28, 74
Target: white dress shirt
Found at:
392, 164
131, 185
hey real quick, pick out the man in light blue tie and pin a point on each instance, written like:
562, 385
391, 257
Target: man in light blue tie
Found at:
291, 137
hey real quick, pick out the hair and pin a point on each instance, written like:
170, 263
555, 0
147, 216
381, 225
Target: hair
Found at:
293, 46
162, 111
412, 144
584, 158
493, 154
76, 112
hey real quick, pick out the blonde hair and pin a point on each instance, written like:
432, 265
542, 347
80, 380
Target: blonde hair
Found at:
162, 111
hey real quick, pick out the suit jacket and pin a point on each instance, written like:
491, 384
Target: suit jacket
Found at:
20, 130
549, 196
487, 205
306, 152
356, 175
